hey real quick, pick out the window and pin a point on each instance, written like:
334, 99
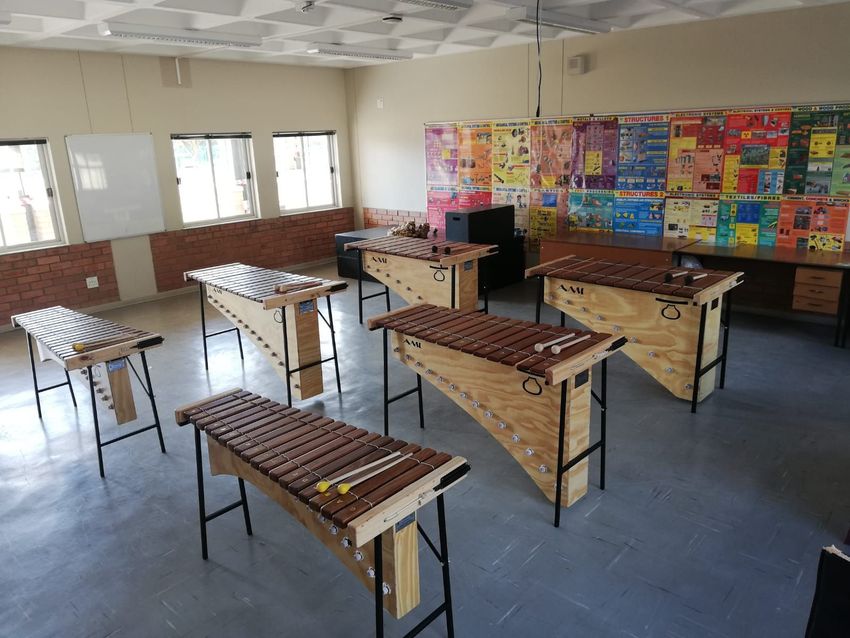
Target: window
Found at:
306, 170
28, 210
214, 176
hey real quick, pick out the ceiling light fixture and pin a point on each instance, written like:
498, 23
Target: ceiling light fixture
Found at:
366, 53
392, 19
557, 20
5, 17
171, 35
445, 5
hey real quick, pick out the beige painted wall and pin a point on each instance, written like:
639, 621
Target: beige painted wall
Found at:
57, 93
788, 56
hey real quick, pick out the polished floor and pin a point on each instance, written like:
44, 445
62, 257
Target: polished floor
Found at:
710, 527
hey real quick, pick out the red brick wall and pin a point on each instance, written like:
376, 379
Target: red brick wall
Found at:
56, 276
389, 217
270, 243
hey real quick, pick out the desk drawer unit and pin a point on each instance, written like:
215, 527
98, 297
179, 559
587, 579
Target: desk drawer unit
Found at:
817, 290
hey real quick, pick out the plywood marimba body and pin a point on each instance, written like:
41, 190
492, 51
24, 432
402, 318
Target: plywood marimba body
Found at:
77, 341
288, 454
535, 403
278, 312
672, 318
444, 273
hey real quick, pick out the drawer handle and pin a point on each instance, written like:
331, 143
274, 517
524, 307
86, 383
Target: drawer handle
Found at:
814, 277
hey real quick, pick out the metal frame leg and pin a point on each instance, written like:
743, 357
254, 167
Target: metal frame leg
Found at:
286, 357
603, 409
387, 293
94, 418
35, 376
70, 388
244, 499
540, 285
421, 407
360, 286
202, 511
454, 282
333, 344
562, 426
153, 401
379, 586
563, 318
727, 308
444, 559
698, 365
386, 385
204, 324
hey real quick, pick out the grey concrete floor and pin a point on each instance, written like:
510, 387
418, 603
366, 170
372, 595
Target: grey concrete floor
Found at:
711, 524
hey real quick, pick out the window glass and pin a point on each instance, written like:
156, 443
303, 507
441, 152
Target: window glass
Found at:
306, 173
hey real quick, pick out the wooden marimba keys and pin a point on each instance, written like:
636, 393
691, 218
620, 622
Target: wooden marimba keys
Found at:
279, 312
671, 317
358, 492
527, 384
82, 342
443, 273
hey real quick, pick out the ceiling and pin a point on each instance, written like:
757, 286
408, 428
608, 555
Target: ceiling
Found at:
286, 31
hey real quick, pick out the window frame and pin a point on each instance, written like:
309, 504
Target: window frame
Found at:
332, 154
253, 198
49, 177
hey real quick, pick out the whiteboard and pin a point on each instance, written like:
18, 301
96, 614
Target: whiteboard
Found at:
116, 185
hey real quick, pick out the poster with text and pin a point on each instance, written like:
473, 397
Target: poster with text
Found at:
511, 154
551, 153
756, 151
812, 128
473, 198
519, 198
547, 214
695, 152
642, 156
474, 155
594, 156
639, 212
591, 210
441, 155
440, 200
693, 217
748, 220
813, 222
841, 167
727, 212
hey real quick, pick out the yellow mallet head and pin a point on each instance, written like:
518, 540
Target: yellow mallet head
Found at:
323, 486
343, 488
79, 347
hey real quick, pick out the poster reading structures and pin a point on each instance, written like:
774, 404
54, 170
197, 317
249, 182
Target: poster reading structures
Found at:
591, 210
813, 131
441, 155
693, 217
756, 151
639, 212
474, 153
440, 200
594, 157
546, 215
812, 222
518, 198
695, 155
511, 154
551, 153
642, 157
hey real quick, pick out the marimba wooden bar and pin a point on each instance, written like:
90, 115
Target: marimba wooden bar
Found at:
358, 492
527, 384
279, 312
77, 341
444, 273
671, 317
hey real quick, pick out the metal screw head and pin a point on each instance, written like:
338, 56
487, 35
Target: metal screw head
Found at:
633, 339
429, 371
452, 387
502, 425
515, 438
370, 572
529, 451
440, 379
463, 395
418, 364
488, 414
651, 354
408, 357
386, 589
475, 404
668, 370
584, 309
600, 318
358, 555
543, 469
333, 529
617, 329
395, 349
345, 542
689, 386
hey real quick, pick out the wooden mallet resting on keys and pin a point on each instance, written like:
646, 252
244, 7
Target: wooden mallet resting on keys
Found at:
343, 488
692, 278
540, 347
83, 346
563, 346
325, 485
670, 276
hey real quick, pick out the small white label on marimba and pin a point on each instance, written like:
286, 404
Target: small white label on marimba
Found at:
306, 307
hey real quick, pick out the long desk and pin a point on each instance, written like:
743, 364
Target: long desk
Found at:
650, 251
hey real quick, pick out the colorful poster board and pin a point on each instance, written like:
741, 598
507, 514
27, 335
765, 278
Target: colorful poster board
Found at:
591, 210
511, 154
520, 198
755, 151
441, 155
440, 200
814, 223
695, 153
474, 155
551, 153
693, 217
594, 163
642, 155
639, 213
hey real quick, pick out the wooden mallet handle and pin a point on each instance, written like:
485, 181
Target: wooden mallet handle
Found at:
540, 347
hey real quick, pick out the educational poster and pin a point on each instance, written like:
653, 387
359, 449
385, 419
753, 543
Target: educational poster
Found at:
639, 212
756, 151
818, 126
591, 210
748, 220
642, 156
727, 212
695, 152
551, 153
474, 155
546, 215
519, 198
813, 223
440, 200
693, 217
441, 155
594, 157
473, 199
511, 154
841, 167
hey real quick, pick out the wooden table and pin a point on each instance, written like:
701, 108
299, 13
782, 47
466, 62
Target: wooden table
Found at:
651, 251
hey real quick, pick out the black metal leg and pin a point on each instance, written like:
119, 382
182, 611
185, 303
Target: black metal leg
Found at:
444, 551
540, 284
286, 357
562, 426
421, 408
387, 293
202, 512
379, 587
603, 417
239, 341
386, 387
454, 281
34, 375
153, 401
244, 498
360, 286
727, 308
333, 344
70, 388
698, 365
842, 325
204, 323
563, 318
96, 423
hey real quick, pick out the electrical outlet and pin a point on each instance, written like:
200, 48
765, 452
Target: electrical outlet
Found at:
92, 282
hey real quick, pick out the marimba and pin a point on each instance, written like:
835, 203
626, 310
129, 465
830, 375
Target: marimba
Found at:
358, 492
81, 342
671, 317
279, 312
443, 273
527, 384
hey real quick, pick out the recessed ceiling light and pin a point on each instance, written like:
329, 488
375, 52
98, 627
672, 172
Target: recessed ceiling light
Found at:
557, 20
178, 36
366, 53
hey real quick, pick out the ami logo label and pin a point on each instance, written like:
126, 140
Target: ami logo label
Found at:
574, 290
380, 260
415, 344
